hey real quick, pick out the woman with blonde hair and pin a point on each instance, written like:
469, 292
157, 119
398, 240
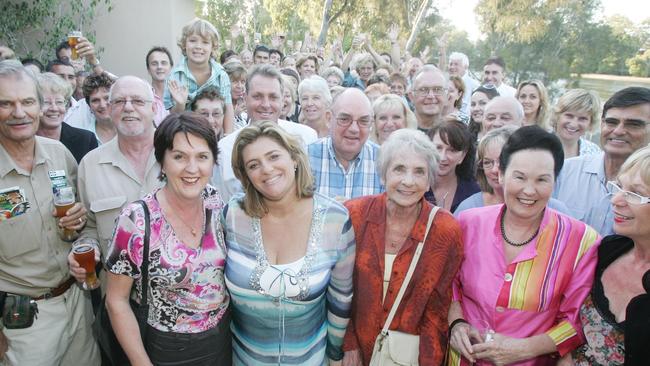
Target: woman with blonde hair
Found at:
533, 97
291, 290
391, 114
575, 114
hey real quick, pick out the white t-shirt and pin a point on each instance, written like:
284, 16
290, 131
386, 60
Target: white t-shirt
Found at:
506, 90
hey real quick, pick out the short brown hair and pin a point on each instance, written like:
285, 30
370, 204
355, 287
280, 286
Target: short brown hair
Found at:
253, 203
187, 123
94, 82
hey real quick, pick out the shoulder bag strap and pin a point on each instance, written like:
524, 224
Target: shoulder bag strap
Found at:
144, 268
409, 273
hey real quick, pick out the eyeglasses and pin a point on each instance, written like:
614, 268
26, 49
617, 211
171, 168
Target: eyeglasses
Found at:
488, 164
346, 121
630, 125
137, 102
213, 114
630, 197
50, 103
436, 90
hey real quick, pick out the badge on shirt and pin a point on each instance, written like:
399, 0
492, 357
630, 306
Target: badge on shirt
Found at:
58, 179
12, 203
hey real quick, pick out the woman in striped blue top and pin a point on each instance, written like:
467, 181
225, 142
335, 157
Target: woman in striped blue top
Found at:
290, 256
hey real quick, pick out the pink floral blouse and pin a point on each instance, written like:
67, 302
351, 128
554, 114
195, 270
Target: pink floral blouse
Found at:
187, 293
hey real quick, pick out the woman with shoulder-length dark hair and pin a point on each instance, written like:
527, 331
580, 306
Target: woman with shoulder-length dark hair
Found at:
189, 319
455, 179
526, 269
388, 229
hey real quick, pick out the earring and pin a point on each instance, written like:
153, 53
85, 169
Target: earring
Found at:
163, 176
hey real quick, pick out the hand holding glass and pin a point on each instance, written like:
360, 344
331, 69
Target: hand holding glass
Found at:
84, 254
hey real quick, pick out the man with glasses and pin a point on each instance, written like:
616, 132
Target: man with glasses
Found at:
124, 169
429, 96
582, 185
344, 162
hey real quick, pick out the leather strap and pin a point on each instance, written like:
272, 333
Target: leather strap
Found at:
60, 290
144, 268
409, 273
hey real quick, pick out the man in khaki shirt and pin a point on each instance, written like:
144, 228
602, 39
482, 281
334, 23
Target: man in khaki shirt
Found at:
32, 256
124, 169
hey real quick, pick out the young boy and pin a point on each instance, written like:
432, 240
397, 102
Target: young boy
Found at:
198, 70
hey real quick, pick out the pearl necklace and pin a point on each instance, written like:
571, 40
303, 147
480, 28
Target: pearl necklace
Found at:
505, 237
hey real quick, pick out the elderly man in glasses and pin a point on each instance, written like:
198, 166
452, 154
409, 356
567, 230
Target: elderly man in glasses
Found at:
344, 162
582, 185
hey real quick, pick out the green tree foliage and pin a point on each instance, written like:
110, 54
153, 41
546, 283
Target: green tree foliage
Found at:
639, 65
33, 28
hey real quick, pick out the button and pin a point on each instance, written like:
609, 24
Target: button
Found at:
508, 277
500, 309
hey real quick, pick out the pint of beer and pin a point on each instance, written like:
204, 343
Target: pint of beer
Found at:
84, 254
64, 199
73, 39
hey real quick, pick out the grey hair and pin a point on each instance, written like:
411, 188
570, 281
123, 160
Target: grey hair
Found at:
12, 68
519, 108
460, 56
52, 83
433, 69
501, 134
413, 141
333, 70
318, 85
146, 85
267, 71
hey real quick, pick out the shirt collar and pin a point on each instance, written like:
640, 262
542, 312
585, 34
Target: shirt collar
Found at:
7, 163
377, 215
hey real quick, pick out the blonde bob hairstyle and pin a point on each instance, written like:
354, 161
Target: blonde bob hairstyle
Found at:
254, 203
542, 115
578, 101
390, 101
53, 84
204, 29
638, 163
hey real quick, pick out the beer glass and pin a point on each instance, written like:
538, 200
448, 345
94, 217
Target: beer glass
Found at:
64, 199
84, 254
73, 39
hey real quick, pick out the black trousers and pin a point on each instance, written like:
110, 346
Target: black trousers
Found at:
212, 347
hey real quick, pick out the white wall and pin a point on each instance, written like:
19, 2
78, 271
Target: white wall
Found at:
133, 27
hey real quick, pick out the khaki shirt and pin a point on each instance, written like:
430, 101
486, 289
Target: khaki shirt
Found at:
33, 259
107, 183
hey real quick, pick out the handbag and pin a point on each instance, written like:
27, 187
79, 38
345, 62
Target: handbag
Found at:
112, 352
393, 347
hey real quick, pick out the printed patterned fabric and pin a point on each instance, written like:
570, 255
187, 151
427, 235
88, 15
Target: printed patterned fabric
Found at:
604, 343
187, 293
305, 322
540, 291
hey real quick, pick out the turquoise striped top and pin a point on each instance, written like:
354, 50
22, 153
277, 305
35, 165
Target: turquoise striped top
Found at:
304, 322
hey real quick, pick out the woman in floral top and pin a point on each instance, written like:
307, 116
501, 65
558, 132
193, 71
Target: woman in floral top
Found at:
188, 318
616, 316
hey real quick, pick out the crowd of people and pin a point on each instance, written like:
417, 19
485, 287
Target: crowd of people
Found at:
282, 205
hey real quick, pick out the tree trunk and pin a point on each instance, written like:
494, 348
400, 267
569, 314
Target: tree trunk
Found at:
424, 6
325, 25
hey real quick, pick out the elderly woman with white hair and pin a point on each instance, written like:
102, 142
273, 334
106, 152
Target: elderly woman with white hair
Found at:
391, 114
394, 231
315, 102
333, 75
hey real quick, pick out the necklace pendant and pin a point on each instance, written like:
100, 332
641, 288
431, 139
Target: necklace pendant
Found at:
193, 232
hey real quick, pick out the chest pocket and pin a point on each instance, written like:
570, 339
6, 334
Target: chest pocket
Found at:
18, 235
106, 211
